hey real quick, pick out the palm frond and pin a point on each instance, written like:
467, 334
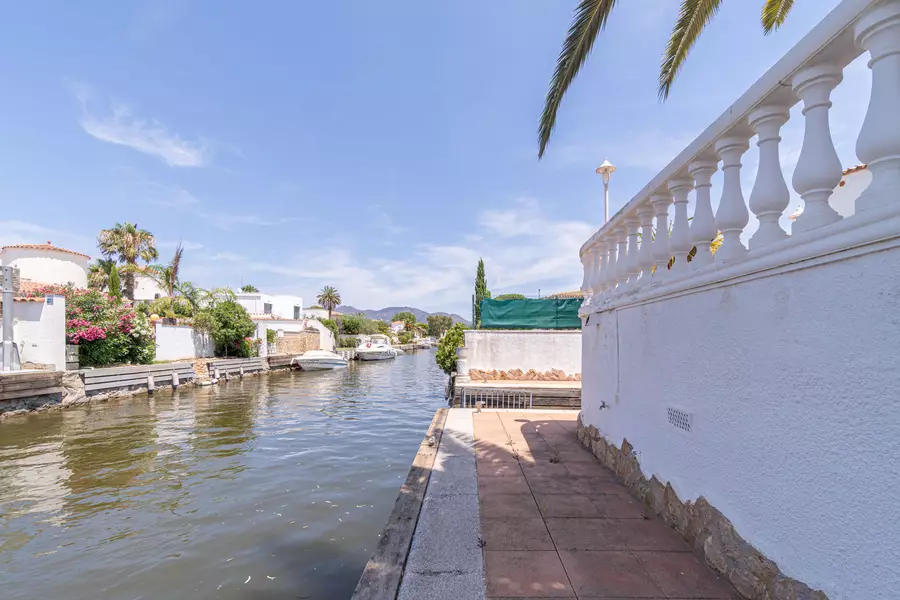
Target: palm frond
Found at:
695, 15
589, 20
774, 13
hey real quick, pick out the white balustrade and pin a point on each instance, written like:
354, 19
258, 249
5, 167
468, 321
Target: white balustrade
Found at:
645, 255
661, 254
703, 226
632, 266
878, 145
732, 215
680, 240
770, 195
818, 169
629, 254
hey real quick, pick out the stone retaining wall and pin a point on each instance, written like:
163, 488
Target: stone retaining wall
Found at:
706, 529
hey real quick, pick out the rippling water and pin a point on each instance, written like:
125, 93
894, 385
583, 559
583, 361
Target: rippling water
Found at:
285, 479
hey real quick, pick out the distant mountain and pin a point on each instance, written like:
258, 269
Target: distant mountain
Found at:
386, 314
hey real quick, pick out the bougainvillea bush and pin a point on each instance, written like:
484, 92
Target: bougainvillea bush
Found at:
106, 329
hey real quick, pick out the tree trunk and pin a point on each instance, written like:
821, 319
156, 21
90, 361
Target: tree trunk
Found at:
129, 286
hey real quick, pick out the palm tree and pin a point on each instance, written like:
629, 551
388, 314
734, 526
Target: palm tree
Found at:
126, 243
590, 19
249, 289
329, 298
166, 276
98, 273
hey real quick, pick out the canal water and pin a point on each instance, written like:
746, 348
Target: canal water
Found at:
273, 487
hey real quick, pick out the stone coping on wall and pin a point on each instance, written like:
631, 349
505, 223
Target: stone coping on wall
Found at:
703, 526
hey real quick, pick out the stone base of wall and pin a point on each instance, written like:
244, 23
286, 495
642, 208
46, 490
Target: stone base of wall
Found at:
519, 375
297, 342
706, 529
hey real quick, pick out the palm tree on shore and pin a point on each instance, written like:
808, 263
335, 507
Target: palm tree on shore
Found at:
329, 298
166, 276
98, 273
589, 21
126, 243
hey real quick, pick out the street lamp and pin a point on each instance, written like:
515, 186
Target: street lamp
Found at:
606, 169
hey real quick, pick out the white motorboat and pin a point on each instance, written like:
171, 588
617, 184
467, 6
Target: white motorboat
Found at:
320, 360
376, 347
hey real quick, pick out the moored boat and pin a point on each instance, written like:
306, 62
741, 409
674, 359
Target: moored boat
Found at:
376, 347
320, 360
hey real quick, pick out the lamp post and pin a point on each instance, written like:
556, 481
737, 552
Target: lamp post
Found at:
606, 169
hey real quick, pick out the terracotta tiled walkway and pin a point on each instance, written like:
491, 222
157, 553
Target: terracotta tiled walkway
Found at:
556, 524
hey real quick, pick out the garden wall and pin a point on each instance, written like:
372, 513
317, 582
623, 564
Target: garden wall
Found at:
40, 330
175, 342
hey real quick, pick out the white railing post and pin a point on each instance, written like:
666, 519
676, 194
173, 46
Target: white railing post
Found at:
622, 256
661, 254
632, 266
587, 261
645, 256
878, 145
703, 225
732, 215
610, 265
818, 169
598, 283
680, 241
770, 195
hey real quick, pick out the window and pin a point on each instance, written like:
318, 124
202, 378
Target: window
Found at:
156, 296
297, 313
267, 308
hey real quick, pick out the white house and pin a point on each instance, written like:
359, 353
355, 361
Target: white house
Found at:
397, 327
854, 182
47, 264
284, 306
147, 289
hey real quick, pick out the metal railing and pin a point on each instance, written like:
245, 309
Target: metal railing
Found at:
495, 398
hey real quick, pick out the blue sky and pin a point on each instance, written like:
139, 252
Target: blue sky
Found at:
380, 147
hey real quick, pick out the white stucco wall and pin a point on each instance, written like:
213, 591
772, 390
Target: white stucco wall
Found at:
47, 266
318, 313
180, 341
39, 330
326, 338
792, 383
282, 306
146, 289
541, 350
843, 200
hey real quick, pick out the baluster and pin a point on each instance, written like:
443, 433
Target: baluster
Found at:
878, 145
622, 257
645, 257
587, 261
770, 195
703, 226
732, 216
680, 241
611, 261
661, 254
818, 169
633, 266
599, 282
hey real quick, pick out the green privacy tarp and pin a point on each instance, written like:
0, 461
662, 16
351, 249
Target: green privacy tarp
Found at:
547, 313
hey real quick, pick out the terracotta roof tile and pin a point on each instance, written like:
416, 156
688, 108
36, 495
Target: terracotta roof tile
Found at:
575, 294
47, 246
855, 169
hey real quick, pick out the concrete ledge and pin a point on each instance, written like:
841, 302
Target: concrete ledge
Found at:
381, 577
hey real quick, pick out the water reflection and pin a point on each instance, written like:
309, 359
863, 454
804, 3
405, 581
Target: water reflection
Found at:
285, 478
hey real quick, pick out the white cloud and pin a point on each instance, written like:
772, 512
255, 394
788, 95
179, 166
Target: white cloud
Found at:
185, 244
117, 125
523, 249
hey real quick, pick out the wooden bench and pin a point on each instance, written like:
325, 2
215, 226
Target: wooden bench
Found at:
149, 377
231, 367
34, 383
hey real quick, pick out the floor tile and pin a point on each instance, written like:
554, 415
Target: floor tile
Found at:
520, 506
589, 469
525, 575
566, 506
546, 469
551, 485
614, 506
515, 534
608, 575
499, 469
681, 575
441, 585
583, 534
509, 484
599, 485
433, 549
648, 534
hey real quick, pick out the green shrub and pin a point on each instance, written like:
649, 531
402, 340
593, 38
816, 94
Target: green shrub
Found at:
231, 329
510, 297
405, 337
347, 342
446, 352
270, 336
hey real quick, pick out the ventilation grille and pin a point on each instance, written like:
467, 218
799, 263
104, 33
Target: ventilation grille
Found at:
680, 419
